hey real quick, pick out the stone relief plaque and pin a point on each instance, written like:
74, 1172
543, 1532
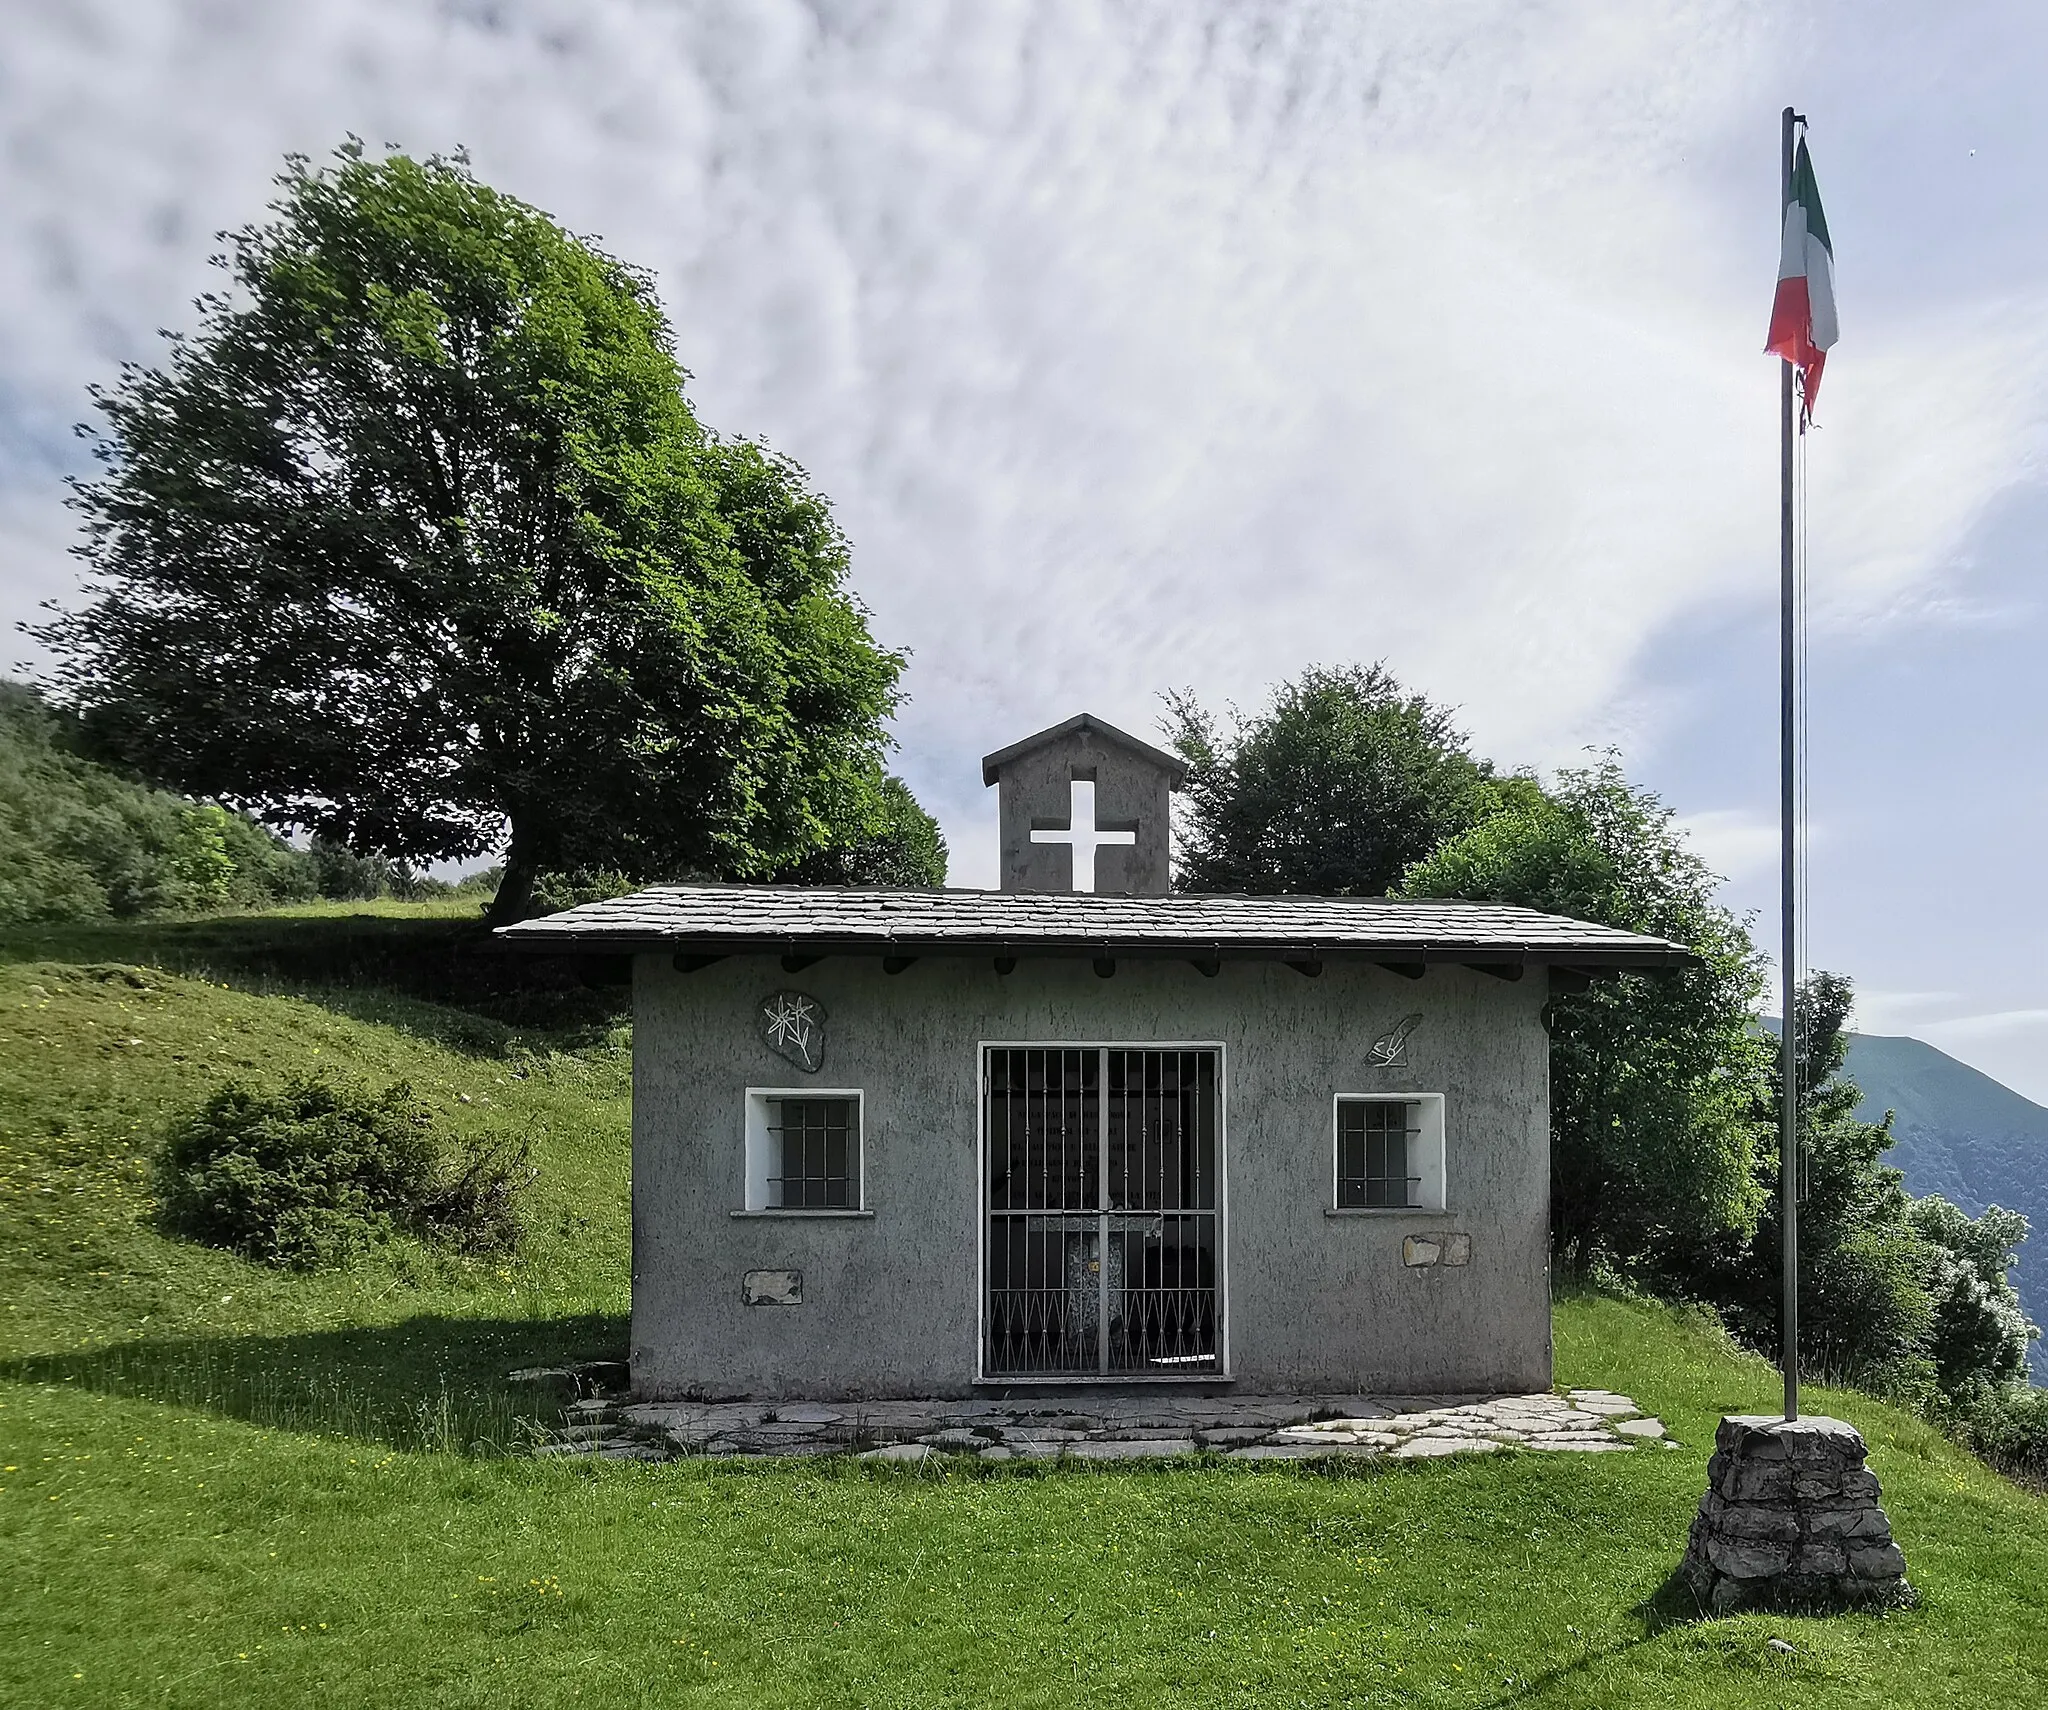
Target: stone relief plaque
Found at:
793, 1026
1390, 1049
772, 1288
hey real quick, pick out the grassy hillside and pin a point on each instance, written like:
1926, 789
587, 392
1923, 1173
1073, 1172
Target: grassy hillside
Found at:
105, 1030
225, 1486
1964, 1136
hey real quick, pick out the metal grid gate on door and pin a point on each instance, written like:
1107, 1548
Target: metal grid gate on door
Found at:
1103, 1179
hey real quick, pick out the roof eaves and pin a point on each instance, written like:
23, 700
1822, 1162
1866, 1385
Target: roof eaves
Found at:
629, 941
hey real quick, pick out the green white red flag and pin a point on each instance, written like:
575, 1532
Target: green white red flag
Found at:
1803, 314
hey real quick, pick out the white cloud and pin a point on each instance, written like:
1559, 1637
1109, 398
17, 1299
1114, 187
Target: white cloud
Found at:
1900, 1012
1140, 342
1996, 1025
1736, 843
1921, 434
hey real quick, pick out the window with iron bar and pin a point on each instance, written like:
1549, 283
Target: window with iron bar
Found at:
804, 1153
1376, 1146
817, 1151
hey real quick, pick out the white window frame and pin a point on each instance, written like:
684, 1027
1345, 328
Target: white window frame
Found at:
761, 1160
1428, 1161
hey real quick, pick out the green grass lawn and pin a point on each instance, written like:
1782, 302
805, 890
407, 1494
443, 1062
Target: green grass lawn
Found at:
228, 1486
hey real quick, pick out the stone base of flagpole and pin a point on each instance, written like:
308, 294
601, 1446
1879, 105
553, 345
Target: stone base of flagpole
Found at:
1792, 1520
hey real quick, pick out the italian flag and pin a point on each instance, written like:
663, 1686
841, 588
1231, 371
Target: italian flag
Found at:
1803, 314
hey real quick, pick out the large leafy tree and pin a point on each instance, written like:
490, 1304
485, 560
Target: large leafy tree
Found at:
1865, 1308
1332, 790
416, 544
1654, 1078
898, 846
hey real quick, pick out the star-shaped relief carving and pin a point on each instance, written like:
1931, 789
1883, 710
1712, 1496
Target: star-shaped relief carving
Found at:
794, 1027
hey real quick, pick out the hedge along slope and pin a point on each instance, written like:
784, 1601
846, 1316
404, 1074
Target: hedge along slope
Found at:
82, 842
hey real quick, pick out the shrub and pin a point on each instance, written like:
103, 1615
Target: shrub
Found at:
2008, 1426
1980, 1329
554, 892
346, 876
473, 1204
304, 1177
1866, 1314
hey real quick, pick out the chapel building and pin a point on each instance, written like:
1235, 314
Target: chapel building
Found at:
1083, 1130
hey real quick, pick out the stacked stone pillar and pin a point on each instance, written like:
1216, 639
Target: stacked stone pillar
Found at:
1792, 1520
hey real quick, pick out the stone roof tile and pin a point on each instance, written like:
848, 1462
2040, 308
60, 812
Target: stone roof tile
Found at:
1175, 768
735, 918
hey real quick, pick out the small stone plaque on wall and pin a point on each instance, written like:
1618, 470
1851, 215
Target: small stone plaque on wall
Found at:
1420, 1250
772, 1288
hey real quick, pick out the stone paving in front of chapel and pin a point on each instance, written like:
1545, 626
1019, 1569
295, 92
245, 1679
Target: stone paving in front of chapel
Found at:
1106, 1427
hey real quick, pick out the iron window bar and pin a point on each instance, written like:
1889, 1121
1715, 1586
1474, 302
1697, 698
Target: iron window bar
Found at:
1374, 1151
1377, 1193
815, 1143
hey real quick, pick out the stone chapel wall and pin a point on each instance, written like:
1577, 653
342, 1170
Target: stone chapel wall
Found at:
1410, 1302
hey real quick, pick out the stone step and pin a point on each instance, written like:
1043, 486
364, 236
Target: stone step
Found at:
1280, 1428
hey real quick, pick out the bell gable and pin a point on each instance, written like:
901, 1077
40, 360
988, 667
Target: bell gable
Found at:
1084, 807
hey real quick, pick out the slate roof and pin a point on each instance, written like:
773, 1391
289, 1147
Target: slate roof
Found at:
822, 921
1175, 768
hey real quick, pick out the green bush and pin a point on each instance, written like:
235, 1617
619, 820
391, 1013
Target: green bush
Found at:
2009, 1427
1980, 1329
1866, 1316
346, 876
554, 892
305, 1177
473, 1204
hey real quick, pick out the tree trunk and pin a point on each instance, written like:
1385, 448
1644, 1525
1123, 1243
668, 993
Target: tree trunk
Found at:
514, 901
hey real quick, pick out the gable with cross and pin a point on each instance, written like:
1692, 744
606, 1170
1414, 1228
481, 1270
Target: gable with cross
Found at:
1084, 807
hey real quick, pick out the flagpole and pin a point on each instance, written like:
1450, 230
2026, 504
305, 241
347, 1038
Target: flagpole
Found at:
1788, 789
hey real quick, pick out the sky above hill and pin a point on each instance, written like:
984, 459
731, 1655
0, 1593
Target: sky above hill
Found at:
1181, 343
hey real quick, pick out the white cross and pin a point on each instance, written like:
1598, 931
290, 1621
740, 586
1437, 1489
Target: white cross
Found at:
1081, 832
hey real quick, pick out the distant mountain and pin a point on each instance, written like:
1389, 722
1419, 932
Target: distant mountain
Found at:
1964, 1136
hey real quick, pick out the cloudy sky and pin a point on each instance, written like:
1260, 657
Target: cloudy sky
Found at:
1150, 343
